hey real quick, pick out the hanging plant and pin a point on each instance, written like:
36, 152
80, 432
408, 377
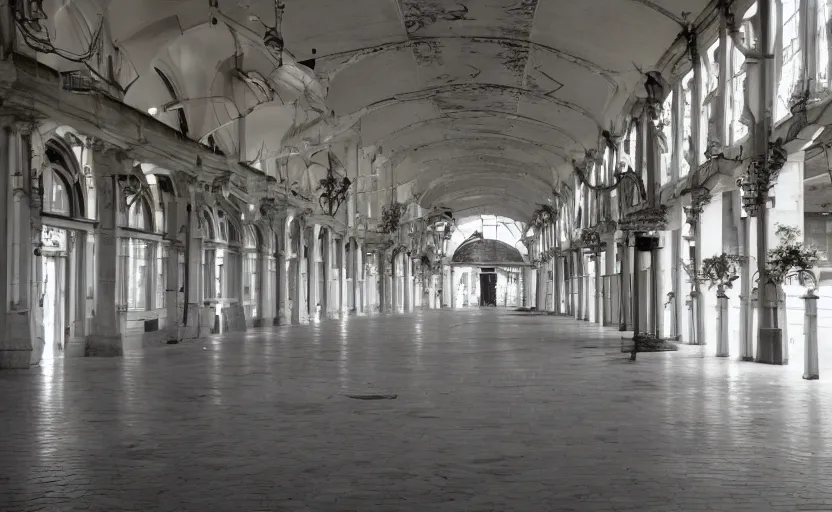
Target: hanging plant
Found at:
720, 271
790, 256
391, 216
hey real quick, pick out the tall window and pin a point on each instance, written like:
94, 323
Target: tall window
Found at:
687, 152
55, 195
137, 271
824, 24
791, 58
161, 276
666, 128
251, 274
139, 216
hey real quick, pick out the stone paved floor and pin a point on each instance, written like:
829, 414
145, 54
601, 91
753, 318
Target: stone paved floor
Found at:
495, 412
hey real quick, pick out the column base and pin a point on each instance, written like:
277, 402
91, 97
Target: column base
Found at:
104, 345
723, 355
16, 349
747, 359
15, 359
811, 377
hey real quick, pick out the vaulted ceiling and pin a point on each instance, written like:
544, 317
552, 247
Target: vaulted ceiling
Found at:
479, 105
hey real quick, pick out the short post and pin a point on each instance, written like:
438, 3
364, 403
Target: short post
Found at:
811, 371
722, 349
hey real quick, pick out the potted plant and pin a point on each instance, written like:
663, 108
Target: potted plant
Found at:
391, 216
720, 271
790, 257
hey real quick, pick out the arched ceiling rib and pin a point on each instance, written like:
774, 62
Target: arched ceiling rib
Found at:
480, 104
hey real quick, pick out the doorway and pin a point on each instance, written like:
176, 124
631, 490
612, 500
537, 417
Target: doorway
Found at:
54, 295
488, 288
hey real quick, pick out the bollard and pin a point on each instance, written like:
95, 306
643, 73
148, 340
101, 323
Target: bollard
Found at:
721, 323
811, 370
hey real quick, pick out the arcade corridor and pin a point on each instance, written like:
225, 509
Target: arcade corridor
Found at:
495, 410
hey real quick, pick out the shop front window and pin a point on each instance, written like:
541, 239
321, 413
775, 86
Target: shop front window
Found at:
136, 270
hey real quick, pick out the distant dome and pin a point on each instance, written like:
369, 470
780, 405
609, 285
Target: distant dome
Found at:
486, 251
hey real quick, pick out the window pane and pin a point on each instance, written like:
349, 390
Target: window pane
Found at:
136, 270
790, 74
161, 276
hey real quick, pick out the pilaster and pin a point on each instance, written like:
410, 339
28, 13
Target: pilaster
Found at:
16, 324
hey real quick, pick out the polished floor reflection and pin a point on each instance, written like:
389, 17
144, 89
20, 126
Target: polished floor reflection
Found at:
495, 411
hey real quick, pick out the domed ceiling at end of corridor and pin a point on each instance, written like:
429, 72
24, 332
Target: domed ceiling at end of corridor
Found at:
478, 105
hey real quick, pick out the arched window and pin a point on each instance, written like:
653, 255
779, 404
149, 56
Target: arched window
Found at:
208, 231
140, 215
55, 193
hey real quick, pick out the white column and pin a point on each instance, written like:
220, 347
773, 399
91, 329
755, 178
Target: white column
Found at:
408, 284
599, 290
283, 255
722, 324
304, 271
106, 337
265, 262
313, 286
343, 284
394, 284
452, 288
810, 333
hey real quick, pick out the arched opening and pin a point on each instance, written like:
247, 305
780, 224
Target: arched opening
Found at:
66, 271
251, 296
487, 273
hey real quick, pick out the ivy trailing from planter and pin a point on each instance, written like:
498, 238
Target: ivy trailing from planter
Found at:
543, 215
391, 217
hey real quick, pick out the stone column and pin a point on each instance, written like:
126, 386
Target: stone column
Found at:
746, 310
636, 297
16, 323
624, 285
357, 278
176, 217
452, 288
721, 323
283, 250
343, 283
106, 337
312, 272
394, 284
408, 284
265, 261
579, 274
599, 290
810, 334
557, 290
304, 268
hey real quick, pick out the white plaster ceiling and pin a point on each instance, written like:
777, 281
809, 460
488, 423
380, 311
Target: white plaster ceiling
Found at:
479, 104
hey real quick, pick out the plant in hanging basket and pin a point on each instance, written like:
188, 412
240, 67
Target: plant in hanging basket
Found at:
720, 271
790, 256
391, 216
